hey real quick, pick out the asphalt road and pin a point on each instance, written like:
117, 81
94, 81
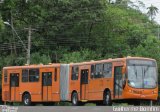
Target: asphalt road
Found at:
58, 109
4, 108
66, 109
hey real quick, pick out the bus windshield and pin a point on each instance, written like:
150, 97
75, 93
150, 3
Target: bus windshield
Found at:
142, 73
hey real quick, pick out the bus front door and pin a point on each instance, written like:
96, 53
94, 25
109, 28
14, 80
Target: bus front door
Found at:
14, 84
84, 84
47, 86
118, 84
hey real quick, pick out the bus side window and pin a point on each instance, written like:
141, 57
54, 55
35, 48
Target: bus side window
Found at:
25, 75
92, 71
55, 75
107, 70
33, 75
99, 68
75, 70
5, 76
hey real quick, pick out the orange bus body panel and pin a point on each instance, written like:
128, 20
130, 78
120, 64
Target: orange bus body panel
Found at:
94, 90
37, 92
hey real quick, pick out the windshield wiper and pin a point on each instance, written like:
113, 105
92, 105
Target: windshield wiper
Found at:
146, 70
135, 70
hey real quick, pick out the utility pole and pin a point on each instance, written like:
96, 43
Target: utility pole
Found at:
29, 44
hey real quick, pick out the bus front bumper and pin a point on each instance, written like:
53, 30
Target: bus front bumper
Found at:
132, 95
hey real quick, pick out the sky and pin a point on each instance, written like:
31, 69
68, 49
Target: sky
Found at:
148, 3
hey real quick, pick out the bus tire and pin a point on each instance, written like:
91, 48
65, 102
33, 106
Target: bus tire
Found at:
27, 99
74, 99
107, 98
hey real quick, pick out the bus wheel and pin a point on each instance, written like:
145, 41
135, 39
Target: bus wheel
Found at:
26, 99
75, 99
107, 98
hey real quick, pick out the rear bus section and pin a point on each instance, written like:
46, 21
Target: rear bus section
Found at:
29, 84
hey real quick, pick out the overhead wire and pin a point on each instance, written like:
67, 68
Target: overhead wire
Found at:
104, 21
66, 39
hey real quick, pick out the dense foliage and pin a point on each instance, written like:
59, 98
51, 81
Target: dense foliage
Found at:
75, 31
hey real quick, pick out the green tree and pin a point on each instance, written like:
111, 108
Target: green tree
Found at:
152, 11
37, 58
80, 56
63, 29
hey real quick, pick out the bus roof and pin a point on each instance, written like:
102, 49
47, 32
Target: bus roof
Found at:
80, 63
111, 60
33, 66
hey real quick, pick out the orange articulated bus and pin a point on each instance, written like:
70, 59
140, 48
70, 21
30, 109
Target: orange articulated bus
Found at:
104, 80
